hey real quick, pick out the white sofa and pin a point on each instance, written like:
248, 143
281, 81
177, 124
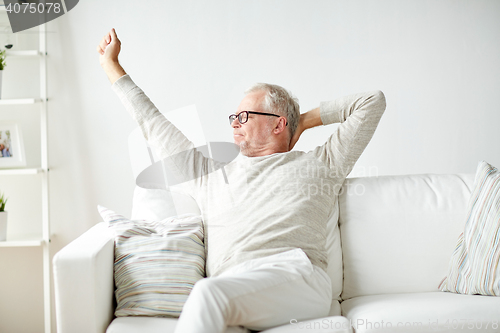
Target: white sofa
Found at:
388, 253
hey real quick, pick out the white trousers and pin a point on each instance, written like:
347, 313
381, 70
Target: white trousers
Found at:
258, 294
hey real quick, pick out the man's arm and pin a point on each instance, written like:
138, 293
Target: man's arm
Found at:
172, 146
359, 116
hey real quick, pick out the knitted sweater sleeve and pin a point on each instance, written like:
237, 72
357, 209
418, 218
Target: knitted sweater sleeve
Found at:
358, 116
160, 133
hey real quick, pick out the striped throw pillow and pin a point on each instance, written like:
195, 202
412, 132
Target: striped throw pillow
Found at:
156, 263
475, 263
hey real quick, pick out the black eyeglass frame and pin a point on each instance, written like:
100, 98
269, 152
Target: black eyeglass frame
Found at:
233, 116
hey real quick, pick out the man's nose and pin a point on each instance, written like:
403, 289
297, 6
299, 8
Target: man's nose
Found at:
236, 123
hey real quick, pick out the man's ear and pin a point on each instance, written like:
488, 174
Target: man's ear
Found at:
280, 126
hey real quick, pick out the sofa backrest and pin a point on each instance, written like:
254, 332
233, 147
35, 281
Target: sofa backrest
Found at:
398, 232
159, 202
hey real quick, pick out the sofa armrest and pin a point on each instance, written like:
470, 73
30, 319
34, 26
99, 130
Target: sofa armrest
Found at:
83, 279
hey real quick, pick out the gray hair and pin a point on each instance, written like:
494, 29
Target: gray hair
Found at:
280, 101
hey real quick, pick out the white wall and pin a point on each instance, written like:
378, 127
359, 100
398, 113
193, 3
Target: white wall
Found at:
436, 61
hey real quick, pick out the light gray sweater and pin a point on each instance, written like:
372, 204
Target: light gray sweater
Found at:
269, 204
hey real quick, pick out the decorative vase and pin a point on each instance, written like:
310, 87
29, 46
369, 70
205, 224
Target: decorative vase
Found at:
3, 226
1, 72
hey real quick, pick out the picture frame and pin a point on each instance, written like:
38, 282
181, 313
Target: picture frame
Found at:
11, 146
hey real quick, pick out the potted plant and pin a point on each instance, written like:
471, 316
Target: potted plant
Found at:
3, 218
3, 55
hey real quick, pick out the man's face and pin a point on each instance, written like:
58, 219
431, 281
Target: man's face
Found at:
255, 133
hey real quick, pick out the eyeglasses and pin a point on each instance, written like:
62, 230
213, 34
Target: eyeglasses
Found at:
243, 116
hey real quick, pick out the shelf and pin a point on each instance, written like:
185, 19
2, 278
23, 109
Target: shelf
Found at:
23, 53
18, 242
31, 171
19, 101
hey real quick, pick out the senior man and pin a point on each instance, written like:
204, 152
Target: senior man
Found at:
265, 229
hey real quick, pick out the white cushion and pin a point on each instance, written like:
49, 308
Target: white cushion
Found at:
423, 312
334, 324
158, 204
156, 263
398, 232
152, 325
474, 266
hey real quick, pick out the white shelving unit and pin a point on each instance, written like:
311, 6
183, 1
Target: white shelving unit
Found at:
42, 241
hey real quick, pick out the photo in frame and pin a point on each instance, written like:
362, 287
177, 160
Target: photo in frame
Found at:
11, 146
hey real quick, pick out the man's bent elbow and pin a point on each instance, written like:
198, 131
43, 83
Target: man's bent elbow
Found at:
379, 100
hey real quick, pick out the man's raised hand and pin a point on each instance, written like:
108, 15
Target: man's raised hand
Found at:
109, 49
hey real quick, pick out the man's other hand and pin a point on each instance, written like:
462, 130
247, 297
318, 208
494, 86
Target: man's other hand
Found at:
307, 120
297, 133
